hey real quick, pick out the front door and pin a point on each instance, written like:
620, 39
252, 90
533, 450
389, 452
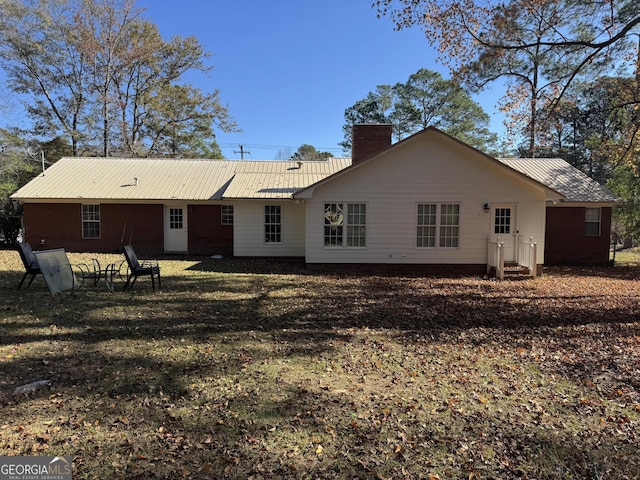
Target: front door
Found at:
175, 229
504, 227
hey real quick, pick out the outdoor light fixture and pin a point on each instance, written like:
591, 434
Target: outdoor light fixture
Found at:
486, 207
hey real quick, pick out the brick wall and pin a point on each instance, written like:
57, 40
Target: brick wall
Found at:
566, 242
207, 235
59, 225
368, 139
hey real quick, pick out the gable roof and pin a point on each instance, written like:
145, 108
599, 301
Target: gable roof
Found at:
550, 192
556, 173
77, 178
74, 178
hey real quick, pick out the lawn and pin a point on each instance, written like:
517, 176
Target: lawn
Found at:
251, 369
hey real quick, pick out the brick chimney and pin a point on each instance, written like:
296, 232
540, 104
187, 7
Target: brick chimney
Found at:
368, 139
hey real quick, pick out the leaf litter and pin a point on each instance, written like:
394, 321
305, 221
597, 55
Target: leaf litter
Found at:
276, 372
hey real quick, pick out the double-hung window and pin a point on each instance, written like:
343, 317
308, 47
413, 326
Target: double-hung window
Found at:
449, 225
438, 224
227, 215
90, 221
426, 225
273, 224
592, 219
345, 228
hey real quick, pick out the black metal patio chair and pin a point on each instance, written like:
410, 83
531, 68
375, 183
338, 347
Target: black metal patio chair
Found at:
138, 268
30, 262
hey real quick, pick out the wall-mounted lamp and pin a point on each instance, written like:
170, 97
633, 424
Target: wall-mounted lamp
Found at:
486, 208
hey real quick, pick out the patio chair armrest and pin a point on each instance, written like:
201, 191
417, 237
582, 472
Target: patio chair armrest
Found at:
82, 268
83, 271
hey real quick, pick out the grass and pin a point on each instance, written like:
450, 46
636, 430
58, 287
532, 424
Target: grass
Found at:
255, 369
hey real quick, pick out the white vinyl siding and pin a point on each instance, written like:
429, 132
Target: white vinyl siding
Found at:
249, 233
425, 170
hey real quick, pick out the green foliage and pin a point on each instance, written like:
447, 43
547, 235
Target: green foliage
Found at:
16, 169
625, 182
426, 99
100, 75
309, 153
538, 49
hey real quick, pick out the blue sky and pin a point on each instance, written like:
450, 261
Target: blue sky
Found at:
288, 69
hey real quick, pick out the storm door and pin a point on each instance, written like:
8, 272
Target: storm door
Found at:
175, 229
504, 227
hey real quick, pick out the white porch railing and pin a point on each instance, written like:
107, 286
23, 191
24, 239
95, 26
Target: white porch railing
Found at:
528, 255
495, 257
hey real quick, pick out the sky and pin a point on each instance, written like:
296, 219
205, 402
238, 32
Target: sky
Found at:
288, 69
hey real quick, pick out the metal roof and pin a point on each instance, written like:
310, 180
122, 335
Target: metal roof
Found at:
564, 178
171, 179
128, 179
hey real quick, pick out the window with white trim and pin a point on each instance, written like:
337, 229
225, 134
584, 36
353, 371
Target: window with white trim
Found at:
335, 222
426, 235
273, 224
176, 219
356, 224
438, 224
592, 220
449, 225
227, 215
90, 221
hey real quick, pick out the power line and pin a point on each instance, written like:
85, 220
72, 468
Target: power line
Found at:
279, 147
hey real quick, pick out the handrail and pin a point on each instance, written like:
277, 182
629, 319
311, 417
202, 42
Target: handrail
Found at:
495, 257
528, 255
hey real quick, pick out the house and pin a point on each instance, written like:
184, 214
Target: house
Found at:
426, 200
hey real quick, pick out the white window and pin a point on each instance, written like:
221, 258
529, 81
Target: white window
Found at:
592, 220
227, 215
449, 225
90, 221
335, 223
176, 219
272, 224
438, 224
356, 224
426, 236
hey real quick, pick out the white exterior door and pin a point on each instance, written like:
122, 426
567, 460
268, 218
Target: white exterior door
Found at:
175, 229
503, 227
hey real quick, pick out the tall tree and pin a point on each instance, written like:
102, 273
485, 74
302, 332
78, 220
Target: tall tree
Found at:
16, 169
538, 46
179, 120
40, 55
93, 70
426, 99
103, 28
